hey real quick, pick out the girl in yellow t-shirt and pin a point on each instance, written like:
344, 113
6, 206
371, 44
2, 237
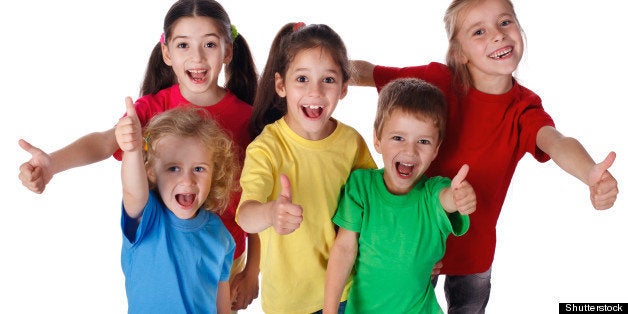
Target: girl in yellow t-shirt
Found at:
297, 164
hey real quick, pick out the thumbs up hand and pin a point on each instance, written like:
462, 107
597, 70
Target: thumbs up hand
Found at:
36, 172
286, 216
129, 130
602, 185
463, 193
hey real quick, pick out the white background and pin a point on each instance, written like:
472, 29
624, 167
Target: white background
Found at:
67, 66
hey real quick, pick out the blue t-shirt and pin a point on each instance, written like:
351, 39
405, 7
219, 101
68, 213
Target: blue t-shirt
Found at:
173, 265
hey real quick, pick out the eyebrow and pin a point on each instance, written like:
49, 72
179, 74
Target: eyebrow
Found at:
479, 23
203, 36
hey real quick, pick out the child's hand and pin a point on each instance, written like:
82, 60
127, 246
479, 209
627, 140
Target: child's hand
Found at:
602, 185
286, 217
35, 173
129, 130
244, 289
464, 195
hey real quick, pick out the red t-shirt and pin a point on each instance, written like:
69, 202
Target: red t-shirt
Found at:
231, 113
490, 133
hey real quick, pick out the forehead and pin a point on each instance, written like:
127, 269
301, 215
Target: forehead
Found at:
317, 58
410, 122
171, 148
197, 26
479, 11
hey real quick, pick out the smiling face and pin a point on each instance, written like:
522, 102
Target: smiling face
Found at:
196, 51
491, 43
312, 86
408, 145
182, 170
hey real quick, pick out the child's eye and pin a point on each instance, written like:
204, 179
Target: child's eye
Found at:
210, 45
199, 169
506, 22
301, 79
478, 32
182, 45
425, 142
329, 80
397, 138
173, 169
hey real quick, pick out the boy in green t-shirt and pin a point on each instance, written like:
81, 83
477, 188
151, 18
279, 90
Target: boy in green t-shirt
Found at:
397, 218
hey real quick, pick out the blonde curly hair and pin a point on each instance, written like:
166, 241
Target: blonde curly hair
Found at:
193, 122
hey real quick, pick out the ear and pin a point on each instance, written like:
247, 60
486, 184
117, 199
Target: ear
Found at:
228, 54
280, 86
376, 142
165, 53
152, 178
345, 89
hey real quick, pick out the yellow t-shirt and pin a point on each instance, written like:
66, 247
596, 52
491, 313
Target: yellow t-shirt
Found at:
293, 266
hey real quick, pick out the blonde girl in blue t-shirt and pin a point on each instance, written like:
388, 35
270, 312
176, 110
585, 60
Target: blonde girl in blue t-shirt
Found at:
295, 167
198, 43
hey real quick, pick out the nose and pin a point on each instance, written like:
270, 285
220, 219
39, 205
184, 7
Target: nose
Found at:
498, 35
315, 88
409, 148
187, 178
197, 54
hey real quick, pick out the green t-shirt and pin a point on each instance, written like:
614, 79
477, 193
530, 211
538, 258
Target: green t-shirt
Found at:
401, 237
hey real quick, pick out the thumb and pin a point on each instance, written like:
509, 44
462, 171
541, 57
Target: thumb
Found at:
130, 107
460, 176
598, 170
28, 147
286, 191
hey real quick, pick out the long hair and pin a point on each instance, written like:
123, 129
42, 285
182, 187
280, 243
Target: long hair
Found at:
292, 38
460, 73
240, 74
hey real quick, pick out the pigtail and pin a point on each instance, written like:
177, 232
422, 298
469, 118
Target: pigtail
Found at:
158, 74
240, 73
268, 107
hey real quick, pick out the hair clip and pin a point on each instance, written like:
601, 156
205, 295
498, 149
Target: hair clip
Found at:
146, 139
296, 26
234, 32
162, 39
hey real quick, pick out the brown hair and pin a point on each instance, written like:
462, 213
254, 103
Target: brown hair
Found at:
192, 122
414, 97
292, 38
240, 73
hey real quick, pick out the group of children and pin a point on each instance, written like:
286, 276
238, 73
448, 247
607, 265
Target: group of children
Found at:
327, 230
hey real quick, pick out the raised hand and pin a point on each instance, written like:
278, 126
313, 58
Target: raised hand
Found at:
35, 173
602, 185
463, 193
129, 129
286, 216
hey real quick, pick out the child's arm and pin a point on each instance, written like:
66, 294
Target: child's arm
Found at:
460, 196
223, 304
361, 73
128, 134
245, 285
573, 158
341, 260
39, 170
281, 213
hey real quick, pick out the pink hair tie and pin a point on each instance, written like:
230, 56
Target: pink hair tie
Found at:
162, 39
296, 26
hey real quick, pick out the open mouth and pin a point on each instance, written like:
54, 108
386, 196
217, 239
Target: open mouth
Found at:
185, 200
312, 111
502, 53
197, 76
404, 169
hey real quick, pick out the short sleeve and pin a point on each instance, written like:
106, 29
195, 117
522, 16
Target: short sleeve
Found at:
351, 205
